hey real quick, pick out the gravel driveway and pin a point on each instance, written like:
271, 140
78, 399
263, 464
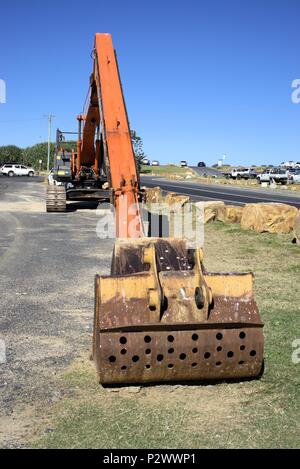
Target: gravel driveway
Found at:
47, 268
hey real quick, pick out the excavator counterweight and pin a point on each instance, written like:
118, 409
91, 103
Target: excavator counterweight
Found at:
159, 316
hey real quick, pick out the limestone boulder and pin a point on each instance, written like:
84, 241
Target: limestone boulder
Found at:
212, 210
233, 213
172, 198
153, 195
269, 217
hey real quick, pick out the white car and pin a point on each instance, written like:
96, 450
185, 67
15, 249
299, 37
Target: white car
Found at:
183, 163
17, 170
155, 163
295, 177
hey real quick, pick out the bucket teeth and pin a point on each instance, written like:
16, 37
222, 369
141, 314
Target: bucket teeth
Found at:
161, 317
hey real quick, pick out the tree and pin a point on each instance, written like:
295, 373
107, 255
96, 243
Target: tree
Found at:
32, 155
137, 144
11, 154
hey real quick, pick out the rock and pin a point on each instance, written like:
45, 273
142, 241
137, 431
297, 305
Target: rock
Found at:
296, 238
213, 210
172, 198
153, 195
272, 218
233, 213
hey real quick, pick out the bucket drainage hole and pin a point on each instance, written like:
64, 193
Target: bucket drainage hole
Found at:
147, 351
148, 367
147, 339
195, 350
170, 365
170, 338
123, 340
124, 367
219, 336
160, 358
242, 347
218, 363
207, 355
230, 354
182, 356
253, 353
135, 358
123, 351
242, 335
112, 359
171, 350
195, 337
241, 362
194, 364
219, 349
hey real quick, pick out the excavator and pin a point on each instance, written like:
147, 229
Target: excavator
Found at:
159, 315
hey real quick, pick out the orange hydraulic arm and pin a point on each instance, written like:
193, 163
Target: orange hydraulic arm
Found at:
117, 146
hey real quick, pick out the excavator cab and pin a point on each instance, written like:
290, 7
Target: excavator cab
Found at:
159, 315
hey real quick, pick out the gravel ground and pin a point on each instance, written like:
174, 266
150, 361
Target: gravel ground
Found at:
47, 268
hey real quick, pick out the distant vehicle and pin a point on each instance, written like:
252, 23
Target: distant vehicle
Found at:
17, 170
288, 164
244, 173
295, 177
277, 175
145, 161
264, 176
155, 163
201, 164
183, 163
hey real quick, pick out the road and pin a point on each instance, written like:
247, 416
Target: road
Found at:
230, 195
201, 171
47, 267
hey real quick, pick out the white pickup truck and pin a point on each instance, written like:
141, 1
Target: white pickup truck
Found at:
244, 173
276, 175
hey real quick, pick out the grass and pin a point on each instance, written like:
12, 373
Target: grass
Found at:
165, 170
262, 413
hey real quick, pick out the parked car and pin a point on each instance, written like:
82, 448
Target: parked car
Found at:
155, 163
145, 161
244, 173
183, 163
201, 164
277, 175
17, 170
295, 177
264, 176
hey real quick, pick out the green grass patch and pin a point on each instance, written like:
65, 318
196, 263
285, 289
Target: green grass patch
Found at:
165, 170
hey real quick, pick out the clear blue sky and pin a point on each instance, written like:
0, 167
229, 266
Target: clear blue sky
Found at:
201, 78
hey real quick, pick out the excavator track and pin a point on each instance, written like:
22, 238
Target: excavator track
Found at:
56, 199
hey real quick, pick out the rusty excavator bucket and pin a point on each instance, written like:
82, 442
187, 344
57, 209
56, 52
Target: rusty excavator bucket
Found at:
160, 317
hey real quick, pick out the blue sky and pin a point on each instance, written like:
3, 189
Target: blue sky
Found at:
201, 78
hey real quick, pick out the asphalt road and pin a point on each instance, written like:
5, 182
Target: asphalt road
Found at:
230, 195
201, 171
47, 267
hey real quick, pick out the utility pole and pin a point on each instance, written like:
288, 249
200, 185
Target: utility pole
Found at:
49, 117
